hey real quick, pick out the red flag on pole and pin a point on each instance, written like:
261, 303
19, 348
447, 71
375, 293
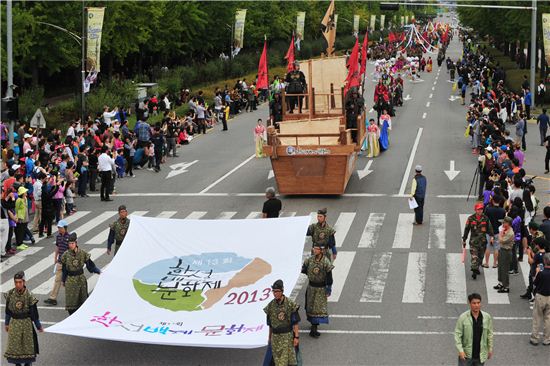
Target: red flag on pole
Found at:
391, 37
290, 56
263, 79
353, 78
364, 54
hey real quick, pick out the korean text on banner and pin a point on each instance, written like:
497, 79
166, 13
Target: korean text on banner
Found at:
382, 21
372, 22
93, 38
546, 36
356, 25
238, 33
205, 289
300, 24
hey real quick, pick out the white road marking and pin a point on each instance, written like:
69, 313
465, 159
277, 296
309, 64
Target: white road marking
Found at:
270, 174
415, 279
166, 214
403, 231
313, 217
345, 316
254, 215
342, 265
371, 232
433, 87
93, 223
463, 219
302, 278
435, 82
371, 110
92, 280
436, 238
424, 115
439, 317
102, 237
77, 215
430, 96
18, 258
45, 264
342, 226
376, 277
427, 104
451, 173
226, 215
196, 215
228, 174
179, 168
287, 214
456, 279
410, 162
525, 268
491, 279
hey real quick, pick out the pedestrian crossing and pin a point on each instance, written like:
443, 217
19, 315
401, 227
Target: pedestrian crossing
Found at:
362, 256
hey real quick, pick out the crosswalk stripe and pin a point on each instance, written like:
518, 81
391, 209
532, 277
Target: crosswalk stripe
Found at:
166, 214
403, 231
371, 232
342, 226
18, 258
93, 223
92, 280
313, 217
287, 214
525, 269
415, 280
463, 219
32, 271
102, 237
456, 279
196, 215
376, 277
491, 279
436, 238
342, 265
254, 215
77, 215
301, 280
226, 215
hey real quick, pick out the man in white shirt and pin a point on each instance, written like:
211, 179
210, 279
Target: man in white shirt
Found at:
37, 193
71, 130
105, 166
108, 116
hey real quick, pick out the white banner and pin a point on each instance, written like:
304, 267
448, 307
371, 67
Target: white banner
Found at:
197, 283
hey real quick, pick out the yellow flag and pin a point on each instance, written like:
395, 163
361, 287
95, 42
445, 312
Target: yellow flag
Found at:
546, 36
329, 28
93, 38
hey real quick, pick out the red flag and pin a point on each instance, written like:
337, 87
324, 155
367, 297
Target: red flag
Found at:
290, 56
391, 37
263, 80
364, 54
353, 78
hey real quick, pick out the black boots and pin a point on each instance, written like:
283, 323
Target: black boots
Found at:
313, 332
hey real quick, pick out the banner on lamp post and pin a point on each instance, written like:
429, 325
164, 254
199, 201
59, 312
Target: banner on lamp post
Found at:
356, 25
238, 32
382, 21
546, 36
94, 27
372, 22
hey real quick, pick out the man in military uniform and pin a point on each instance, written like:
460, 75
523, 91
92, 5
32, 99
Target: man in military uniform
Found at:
319, 273
118, 230
354, 106
478, 226
74, 281
321, 233
282, 319
21, 313
295, 84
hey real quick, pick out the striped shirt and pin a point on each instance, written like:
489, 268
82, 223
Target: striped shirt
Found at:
62, 244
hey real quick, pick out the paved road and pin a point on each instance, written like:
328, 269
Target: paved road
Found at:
398, 289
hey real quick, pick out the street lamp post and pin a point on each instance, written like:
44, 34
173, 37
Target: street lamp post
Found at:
9, 50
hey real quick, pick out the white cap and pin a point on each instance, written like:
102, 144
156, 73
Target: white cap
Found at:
26, 136
418, 168
15, 166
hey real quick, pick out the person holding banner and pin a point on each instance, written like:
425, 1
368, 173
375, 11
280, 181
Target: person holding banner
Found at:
319, 273
118, 230
284, 336
74, 281
21, 313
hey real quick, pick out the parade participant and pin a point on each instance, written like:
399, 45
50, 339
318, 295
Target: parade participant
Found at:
474, 334
385, 118
61, 245
21, 313
429, 64
276, 110
319, 273
478, 226
418, 192
373, 134
74, 281
259, 138
506, 241
354, 107
322, 233
118, 230
295, 84
284, 336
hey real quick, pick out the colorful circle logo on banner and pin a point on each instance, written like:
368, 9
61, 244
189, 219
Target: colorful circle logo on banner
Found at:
196, 282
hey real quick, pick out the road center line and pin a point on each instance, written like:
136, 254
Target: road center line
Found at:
410, 162
424, 115
227, 174
427, 104
433, 87
431, 96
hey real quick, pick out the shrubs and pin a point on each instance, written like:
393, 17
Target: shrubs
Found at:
29, 102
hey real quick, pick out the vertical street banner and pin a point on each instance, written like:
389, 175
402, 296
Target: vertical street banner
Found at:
402, 20
372, 22
546, 36
412, 18
94, 27
238, 32
329, 28
356, 25
382, 21
335, 23
300, 24
206, 288
406, 19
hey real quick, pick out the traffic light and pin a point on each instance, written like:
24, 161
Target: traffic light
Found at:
389, 7
10, 109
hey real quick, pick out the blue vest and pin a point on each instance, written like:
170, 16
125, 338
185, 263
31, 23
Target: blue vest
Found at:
420, 186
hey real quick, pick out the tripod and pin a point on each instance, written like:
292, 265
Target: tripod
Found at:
475, 181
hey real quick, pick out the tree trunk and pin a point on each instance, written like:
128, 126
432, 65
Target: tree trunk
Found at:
35, 75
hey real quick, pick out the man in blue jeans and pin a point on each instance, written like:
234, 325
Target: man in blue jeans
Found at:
418, 192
